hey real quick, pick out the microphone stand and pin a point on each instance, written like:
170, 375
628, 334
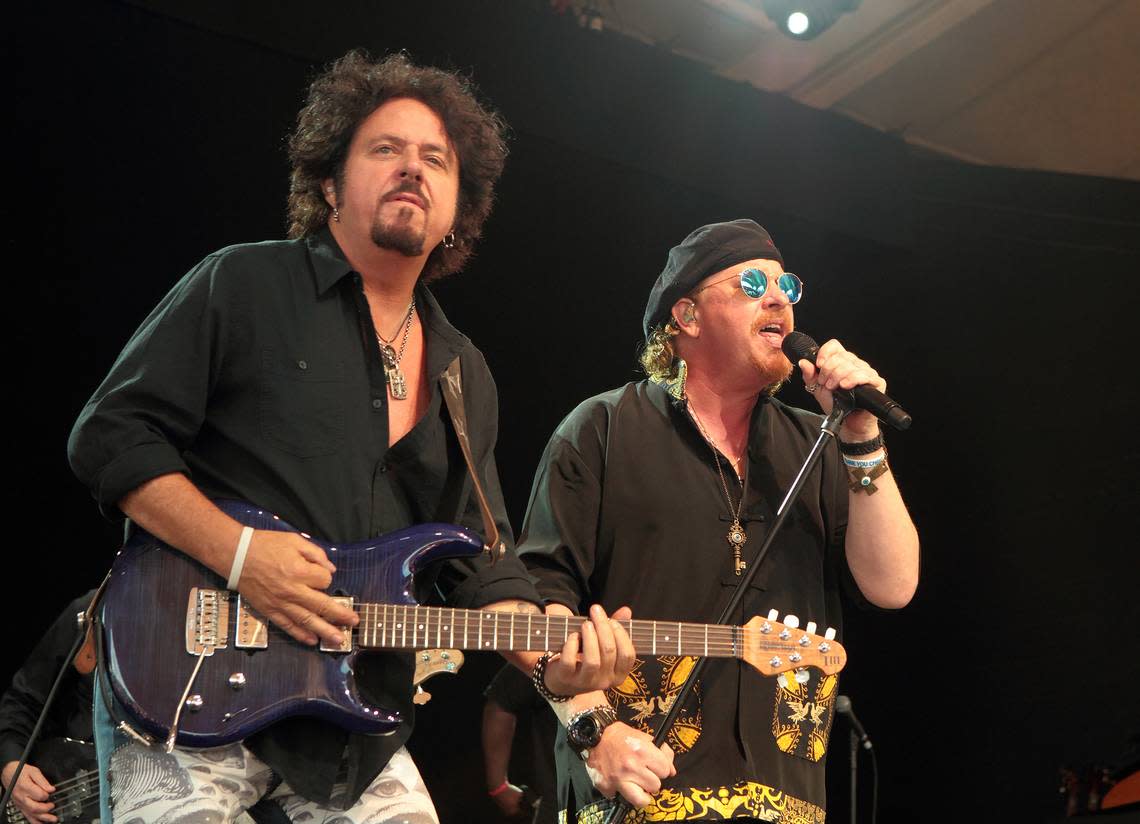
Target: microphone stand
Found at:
854, 773
829, 430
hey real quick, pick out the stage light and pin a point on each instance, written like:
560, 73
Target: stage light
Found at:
805, 19
798, 23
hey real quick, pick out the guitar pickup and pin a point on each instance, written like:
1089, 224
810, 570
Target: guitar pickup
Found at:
207, 620
345, 644
252, 629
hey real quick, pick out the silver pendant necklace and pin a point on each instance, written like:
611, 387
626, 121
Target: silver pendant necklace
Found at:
391, 358
736, 536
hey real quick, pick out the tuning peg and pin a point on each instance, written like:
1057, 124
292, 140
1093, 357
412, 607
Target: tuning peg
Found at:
791, 621
830, 634
810, 628
773, 614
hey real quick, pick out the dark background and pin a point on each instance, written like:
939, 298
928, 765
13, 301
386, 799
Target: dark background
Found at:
1000, 305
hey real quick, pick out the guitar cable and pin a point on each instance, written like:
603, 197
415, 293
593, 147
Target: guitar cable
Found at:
86, 622
44, 712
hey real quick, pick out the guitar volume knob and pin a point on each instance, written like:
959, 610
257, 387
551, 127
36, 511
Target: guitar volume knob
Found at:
237, 680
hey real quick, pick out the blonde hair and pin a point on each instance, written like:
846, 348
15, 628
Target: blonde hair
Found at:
658, 357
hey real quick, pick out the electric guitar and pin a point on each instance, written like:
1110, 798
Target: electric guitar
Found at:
191, 663
70, 766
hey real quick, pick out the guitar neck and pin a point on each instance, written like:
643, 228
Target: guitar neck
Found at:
398, 626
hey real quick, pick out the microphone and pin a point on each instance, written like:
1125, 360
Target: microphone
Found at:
798, 346
843, 705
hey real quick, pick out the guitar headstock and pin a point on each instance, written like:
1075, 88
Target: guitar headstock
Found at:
773, 646
431, 662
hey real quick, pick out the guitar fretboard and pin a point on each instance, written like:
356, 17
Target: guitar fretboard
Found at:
400, 626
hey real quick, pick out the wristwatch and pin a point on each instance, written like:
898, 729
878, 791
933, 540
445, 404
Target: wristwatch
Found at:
584, 729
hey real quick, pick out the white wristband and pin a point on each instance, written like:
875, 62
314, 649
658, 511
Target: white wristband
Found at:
239, 557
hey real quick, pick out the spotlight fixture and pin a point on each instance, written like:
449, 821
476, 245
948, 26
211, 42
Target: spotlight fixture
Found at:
807, 19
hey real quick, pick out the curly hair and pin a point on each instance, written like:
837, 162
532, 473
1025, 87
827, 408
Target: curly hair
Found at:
353, 87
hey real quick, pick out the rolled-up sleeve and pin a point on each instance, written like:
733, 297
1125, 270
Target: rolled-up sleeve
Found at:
558, 541
151, 405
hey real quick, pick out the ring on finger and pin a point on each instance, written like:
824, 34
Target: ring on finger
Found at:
811, 387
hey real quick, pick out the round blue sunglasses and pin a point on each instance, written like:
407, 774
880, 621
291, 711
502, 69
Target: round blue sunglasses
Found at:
754, 283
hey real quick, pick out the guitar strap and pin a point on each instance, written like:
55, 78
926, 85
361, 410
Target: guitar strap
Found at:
451, 385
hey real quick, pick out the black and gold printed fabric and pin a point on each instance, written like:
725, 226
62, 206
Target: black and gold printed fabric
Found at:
802, 711
746, 799
647, 694
805, 706
627, 509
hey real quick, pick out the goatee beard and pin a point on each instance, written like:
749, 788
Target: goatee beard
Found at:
402, 239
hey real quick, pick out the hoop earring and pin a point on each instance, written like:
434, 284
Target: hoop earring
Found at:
449, 240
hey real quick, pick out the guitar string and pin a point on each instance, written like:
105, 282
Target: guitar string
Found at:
720, 639
68, 792
90, 777
693, 642
692, 646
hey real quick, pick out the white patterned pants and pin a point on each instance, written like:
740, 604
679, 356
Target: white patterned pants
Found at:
211, 786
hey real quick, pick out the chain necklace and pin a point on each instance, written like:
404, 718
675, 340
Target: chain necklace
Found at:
736, 536
391, 357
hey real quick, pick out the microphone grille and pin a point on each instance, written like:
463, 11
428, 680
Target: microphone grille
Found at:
842, 704
798, 346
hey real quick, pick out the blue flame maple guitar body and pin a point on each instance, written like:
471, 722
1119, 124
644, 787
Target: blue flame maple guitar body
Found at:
158, 599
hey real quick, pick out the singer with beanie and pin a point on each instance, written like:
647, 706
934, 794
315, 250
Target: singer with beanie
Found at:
657, 494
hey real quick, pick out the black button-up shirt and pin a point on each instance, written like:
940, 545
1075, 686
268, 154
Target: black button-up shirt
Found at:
70, 715
259, 376
629, 508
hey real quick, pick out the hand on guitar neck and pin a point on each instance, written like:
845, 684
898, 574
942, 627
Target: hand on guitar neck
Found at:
598, 656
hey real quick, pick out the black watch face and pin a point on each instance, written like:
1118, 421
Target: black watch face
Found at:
584, 732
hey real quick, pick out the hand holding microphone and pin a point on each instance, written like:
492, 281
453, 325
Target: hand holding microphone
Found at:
847, 376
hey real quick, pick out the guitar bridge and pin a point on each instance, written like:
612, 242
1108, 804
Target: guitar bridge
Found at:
207, 621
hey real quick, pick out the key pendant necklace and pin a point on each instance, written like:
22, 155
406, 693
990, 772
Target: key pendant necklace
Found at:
391, 358
736, 537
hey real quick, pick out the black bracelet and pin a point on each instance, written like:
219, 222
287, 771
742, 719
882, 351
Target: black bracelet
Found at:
538, 678
862, 447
